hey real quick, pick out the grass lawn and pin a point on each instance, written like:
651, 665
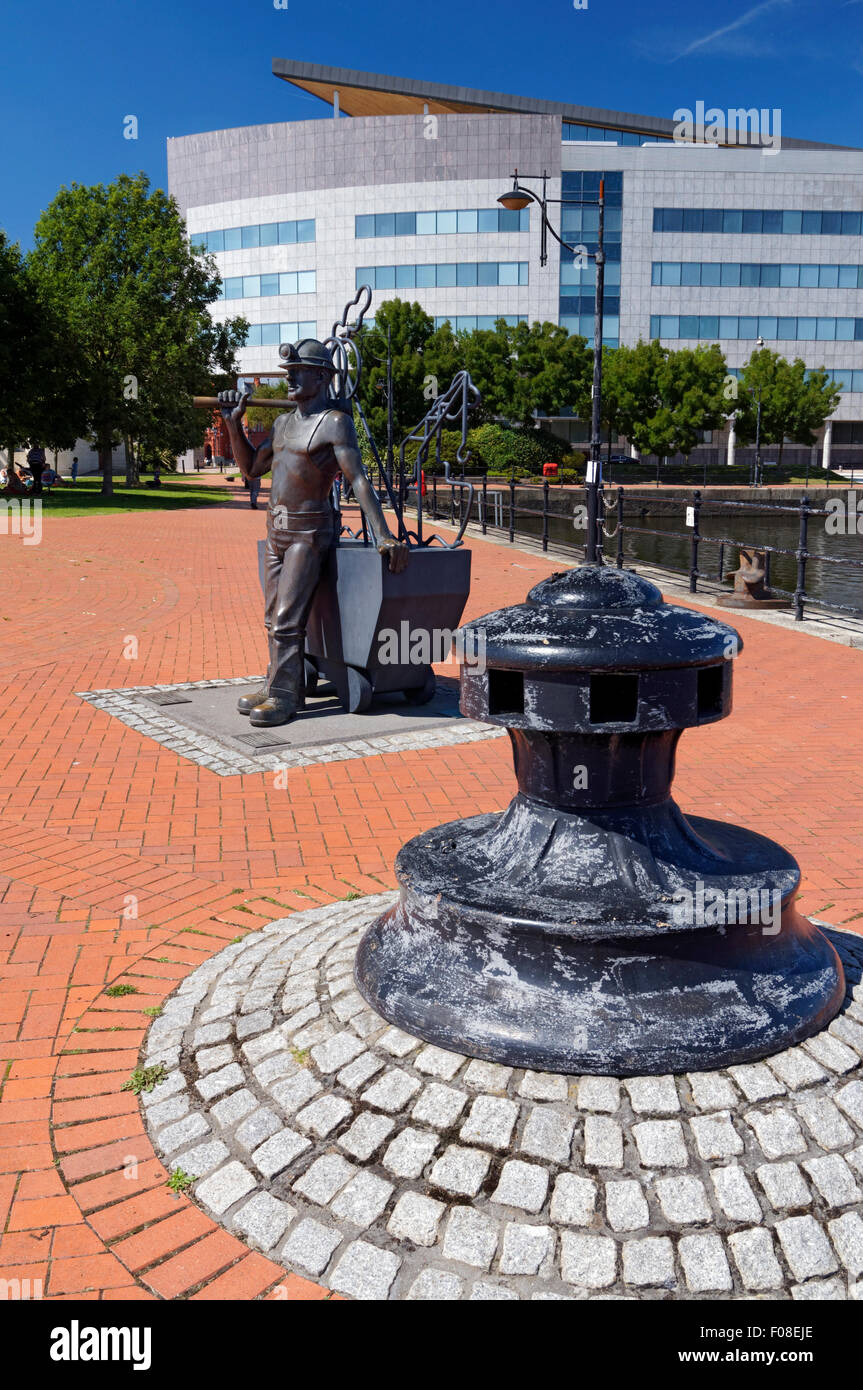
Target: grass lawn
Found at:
84, 498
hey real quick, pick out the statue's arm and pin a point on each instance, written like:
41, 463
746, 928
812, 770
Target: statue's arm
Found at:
340, 433
253, 462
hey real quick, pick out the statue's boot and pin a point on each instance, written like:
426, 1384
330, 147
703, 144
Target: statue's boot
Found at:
286, 687
247, 702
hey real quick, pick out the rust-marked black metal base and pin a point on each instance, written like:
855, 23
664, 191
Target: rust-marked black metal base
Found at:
478, 958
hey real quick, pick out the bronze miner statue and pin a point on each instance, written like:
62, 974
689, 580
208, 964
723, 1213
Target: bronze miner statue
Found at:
306, 450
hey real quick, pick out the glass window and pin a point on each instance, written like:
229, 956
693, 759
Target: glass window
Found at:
446, 274
465, 323
709, 326
270, 284
728, 326
288, 282
489, 219
610, 328
767, 327
828, 277
487, 273
789, 276
711, 273
851, 223
858, 330
668, 324
215, 241
831, 223
507, 273
466, 273
792, 223
809, 277
732, 220
786, 328
426, 223
692, 219
269, 334
425, 276
309, 329
811, 223
771, 223
770, 276
730, 274
656, 273
747, 327
690, 273
847, 277
612, 220
522, 272
447, 222
406, 277
385, 224
523, 223
364, 224
365, 275
806, 328
269, 233
287, 233
251, 286
306, 229
406, 223
712, 221
671, 273
385, 277
752, 218
590, 219
654, 325
253, 337
659, 219
845, 330
612, 273
232, 287
466, 221
233, 238
251, 237
306, 282
750, 275
825, 329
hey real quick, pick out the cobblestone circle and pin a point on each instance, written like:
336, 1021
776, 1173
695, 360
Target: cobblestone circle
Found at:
383, 1167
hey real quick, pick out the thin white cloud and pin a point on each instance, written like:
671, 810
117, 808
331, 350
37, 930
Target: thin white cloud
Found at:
735, 24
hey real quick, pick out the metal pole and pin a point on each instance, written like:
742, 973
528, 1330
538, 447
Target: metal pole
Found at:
484, 502
758, 441
619, 527
594, 466
512, 510
545, 513
800, 591
693, 559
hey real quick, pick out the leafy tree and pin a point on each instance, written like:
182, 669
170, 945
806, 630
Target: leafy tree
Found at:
794, 403
114, 264
524, 370
39, 398
660, 399
411, 331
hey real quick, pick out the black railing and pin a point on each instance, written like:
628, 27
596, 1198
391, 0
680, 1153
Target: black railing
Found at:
495, 509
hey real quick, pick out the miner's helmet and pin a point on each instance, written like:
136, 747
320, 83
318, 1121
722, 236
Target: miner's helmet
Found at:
307, 353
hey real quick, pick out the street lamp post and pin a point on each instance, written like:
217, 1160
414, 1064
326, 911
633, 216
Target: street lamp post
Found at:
515, 199
759, 343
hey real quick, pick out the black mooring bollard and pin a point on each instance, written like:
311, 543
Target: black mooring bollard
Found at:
591, 927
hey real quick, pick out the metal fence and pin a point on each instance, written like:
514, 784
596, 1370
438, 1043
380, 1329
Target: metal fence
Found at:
497, 509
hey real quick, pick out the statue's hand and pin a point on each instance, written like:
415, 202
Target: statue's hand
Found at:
233, 404
396, 553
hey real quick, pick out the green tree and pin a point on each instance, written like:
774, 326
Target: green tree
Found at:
795, 401
115, 266
39, 397
411, 330
660, 399
524, 370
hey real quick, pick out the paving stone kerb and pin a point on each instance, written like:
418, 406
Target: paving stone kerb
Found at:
388, 1169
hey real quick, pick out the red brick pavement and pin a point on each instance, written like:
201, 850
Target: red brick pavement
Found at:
98, 824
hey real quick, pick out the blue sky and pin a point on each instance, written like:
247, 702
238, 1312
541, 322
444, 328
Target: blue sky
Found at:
71, 72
